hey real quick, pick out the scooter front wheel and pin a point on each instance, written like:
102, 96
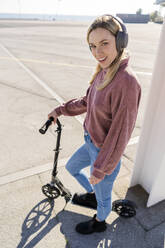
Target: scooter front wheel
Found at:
50, 191
124, 208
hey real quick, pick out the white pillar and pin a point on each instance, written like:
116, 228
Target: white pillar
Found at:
149, 169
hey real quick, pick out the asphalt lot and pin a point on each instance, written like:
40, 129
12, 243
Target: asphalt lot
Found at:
57, 53
42, 64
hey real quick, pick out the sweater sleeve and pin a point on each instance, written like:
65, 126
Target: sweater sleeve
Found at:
124, 112
73, 107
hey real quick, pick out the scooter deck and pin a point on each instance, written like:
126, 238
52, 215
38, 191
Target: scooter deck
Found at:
82, 205
83, 201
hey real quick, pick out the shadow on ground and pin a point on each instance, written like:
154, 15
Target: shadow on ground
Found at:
121, 232
39, 216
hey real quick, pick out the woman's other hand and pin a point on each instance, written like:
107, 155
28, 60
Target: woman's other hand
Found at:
54, 115
94, 180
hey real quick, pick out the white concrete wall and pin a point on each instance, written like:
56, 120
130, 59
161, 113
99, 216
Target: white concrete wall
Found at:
149, 170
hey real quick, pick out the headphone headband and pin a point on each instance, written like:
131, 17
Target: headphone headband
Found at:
121, 36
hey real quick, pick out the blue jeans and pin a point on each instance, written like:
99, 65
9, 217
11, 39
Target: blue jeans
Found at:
85, 156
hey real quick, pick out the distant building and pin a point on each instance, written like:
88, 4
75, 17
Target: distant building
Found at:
134, 18
160, 2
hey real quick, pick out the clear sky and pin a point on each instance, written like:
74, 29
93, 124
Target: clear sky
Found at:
76, 7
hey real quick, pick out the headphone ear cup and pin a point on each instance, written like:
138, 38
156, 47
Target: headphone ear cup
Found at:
121, 40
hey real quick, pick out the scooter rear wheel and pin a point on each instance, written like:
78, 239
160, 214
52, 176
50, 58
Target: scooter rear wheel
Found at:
124, 208
50, 191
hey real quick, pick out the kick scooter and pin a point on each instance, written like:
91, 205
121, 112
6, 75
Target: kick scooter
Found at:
54, 189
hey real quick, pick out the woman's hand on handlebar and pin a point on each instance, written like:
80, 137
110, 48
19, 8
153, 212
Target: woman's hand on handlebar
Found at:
54, 115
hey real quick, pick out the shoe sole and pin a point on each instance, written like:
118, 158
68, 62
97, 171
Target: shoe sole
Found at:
81, 205
95, 231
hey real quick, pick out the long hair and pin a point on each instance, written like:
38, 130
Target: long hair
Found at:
109, 23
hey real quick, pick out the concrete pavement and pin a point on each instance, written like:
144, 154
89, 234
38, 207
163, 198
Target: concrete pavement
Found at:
61, 60
28, 219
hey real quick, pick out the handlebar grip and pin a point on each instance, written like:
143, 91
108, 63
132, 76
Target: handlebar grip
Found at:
47, 124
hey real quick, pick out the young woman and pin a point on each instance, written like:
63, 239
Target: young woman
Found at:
111, 105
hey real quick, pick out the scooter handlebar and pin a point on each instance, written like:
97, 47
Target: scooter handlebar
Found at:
47, 124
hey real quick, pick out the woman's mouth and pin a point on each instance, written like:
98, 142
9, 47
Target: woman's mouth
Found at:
102, 59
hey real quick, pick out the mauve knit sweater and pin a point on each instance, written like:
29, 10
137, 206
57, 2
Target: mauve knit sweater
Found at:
111, 115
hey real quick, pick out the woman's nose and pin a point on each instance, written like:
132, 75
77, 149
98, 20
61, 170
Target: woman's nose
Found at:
98, 50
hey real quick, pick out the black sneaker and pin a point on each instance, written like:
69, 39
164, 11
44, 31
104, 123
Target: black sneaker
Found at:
91, 226
85, 200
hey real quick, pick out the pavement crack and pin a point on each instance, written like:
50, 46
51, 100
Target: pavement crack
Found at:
127, 157
154, 226
26, 90
145, 229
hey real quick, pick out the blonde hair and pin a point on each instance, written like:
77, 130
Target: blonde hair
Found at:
109, 23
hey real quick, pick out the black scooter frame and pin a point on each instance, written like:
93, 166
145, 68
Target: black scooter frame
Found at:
55, 188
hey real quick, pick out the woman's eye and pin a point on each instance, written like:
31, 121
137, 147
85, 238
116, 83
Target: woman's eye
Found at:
105, 43
92, 46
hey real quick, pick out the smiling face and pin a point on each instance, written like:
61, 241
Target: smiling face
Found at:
103, 46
